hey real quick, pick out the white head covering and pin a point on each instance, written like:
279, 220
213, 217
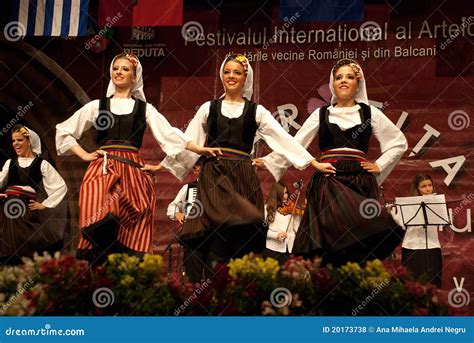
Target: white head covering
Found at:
247, 90
137, 87
34, 139
361, 94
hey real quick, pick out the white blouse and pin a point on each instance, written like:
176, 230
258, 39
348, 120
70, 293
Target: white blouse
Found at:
53, 183
177, 205
280, 224
415, 237
170, 139
268, 129
392, 141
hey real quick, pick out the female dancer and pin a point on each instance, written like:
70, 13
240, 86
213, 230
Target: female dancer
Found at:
117, 199
343, 220
231, 201
30, 186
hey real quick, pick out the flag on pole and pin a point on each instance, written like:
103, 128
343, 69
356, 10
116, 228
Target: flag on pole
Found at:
65, 18
158, 13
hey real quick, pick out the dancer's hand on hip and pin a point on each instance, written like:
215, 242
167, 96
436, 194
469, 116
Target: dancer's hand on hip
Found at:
205, 151
151, 168
370, 167
324, 167
34, 205
258, 162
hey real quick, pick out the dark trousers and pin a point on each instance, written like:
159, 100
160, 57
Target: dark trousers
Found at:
197, 265
281, 257
424, 262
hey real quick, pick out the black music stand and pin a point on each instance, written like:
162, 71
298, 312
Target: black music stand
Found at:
425, 210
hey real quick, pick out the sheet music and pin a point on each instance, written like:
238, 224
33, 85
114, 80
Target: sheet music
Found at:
412, 214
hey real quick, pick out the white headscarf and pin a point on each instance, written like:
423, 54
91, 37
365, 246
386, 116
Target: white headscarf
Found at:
361, 94
137, 87
247, 90
35, 142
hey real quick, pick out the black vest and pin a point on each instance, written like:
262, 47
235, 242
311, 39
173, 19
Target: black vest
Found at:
331, 136
29, 176
236, 133
129, 127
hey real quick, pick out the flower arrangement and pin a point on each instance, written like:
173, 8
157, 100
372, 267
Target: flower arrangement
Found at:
251, 285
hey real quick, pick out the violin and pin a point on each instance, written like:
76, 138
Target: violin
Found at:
291, 208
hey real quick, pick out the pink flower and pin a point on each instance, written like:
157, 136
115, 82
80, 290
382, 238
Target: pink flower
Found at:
415, 289
323, 278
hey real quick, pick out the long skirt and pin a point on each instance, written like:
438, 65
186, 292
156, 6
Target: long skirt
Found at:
116, 206
344, 220
24, 232
427, 263
227, 217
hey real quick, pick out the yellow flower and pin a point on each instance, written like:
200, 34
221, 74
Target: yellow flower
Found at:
256, 266
152, 263
127, 280
351, 267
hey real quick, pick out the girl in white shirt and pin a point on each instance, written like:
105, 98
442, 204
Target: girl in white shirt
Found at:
421, 251
117, 198
343, 220
283, 222
231, 222
30, 188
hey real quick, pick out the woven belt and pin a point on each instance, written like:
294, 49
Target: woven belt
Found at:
18, 192
233, 153
342, 155
124, 160
118, 146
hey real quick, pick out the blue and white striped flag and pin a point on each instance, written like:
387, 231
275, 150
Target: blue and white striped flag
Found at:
65, 18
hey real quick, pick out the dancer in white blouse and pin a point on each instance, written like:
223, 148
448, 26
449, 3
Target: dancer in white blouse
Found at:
24, 181
228, 188
117, 197
338, 223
